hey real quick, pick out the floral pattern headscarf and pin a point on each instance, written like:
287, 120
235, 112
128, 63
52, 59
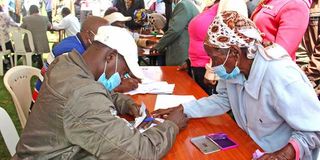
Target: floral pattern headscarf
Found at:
230, 28
233, 29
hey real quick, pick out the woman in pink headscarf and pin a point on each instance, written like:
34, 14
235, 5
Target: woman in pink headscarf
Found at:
283, 22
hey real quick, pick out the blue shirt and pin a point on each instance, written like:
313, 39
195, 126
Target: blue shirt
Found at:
65, 46
68, 44
275, 105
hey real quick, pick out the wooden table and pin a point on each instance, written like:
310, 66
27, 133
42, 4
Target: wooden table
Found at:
183, 149
61, 33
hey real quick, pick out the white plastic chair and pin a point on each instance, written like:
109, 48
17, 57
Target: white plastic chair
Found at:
4, 52
17, 35
17, 81
8, 131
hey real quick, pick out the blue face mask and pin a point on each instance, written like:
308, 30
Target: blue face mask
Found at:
222, 72
114, 81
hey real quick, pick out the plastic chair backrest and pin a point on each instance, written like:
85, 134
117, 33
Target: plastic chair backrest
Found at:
2, 43
17, 81
17, 35
8, 131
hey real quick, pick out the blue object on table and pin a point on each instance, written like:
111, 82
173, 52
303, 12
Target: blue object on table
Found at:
148, 119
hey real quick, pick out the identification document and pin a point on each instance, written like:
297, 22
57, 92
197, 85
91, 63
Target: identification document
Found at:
205, 145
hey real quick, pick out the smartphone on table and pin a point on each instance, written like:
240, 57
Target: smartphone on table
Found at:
204, 144
222, 141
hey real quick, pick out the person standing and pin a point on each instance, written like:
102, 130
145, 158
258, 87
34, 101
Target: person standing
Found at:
311, 46
198, 57
48, 5
38, 25
283, 22
176, 39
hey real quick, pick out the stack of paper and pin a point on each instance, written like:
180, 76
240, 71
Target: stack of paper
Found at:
168, 101
154, 87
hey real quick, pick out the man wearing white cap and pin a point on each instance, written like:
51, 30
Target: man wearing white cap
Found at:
117, 19
75, 117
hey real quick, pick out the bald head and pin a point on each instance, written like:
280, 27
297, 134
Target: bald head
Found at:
92, 23
90, 27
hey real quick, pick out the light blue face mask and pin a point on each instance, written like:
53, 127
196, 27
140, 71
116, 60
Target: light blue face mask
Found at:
222, 72
114, 81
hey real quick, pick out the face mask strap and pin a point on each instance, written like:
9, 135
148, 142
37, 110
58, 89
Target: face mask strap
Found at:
116, 63
105, 67
227, 57
93, 36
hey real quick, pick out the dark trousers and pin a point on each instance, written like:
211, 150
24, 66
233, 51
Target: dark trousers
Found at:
49, 14
198, 75
6, 61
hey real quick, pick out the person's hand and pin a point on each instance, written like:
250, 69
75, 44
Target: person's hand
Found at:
127, 84
153, 51
163, 113
286, 153
183, 67
178, 117
209, 82
134, 110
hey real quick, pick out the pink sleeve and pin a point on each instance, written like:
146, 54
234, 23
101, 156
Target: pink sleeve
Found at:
293, 22
296, 148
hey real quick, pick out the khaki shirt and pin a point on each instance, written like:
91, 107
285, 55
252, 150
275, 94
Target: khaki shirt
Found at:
72, 119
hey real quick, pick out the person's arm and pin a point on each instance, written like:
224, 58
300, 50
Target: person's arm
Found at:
215, 104
49, 25
141, 4
293, 22
299, 106
177, 24
90, 125
62, 25
23, 25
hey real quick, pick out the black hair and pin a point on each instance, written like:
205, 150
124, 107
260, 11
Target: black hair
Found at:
110, 11
65, 11
33, 9
1, 10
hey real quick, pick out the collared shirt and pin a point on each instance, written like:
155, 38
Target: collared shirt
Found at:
274, 105
70, 24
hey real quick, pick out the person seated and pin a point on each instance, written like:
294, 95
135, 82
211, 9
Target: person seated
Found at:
69, 23
80, 42
38, 26
77, 118
271, 98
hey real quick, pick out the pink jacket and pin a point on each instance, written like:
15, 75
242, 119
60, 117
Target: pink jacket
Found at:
198, 28
283, 22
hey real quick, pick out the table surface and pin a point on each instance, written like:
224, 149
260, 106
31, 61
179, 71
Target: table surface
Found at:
183, 148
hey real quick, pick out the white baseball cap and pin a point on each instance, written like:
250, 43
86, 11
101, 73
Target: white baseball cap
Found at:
121, 40
116, 16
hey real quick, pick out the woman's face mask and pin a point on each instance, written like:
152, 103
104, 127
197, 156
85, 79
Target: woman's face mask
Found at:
114, 81
221, 71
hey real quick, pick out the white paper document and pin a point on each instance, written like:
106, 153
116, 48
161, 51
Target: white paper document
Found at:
146, 51
168, 101
154, 87
143, 114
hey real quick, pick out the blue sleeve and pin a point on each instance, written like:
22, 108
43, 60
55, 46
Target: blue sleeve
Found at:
67, 45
